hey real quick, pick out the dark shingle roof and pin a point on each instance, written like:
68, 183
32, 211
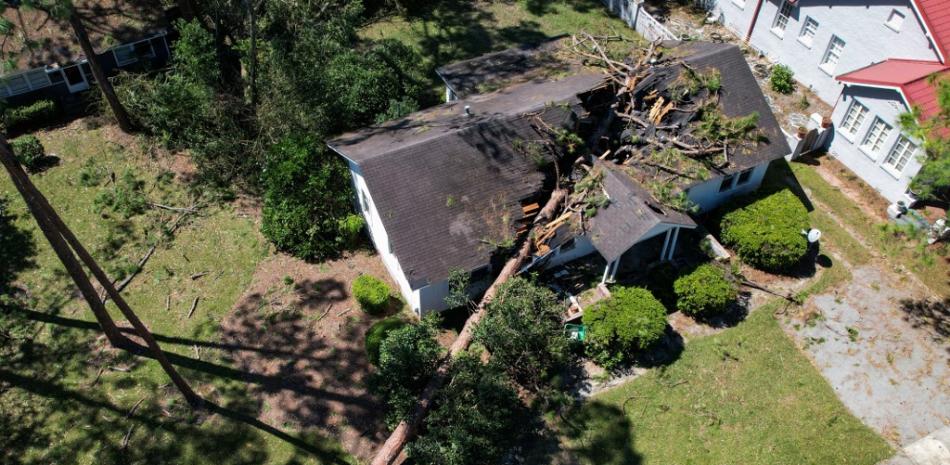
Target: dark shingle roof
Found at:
740, 96
469, 77
631, 213
447, 185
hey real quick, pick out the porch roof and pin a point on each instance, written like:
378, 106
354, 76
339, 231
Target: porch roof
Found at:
631, 214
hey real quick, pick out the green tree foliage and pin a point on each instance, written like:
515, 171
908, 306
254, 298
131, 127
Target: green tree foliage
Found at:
706, 291
408, 357
523, 330
29, 151
782, 79
377, 333
371, 293
476, 418
767, 232
307, 200
932, 182
127, 197
630, 320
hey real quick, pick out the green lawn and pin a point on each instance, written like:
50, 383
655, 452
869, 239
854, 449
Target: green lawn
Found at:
927, 264
458, 29
743, 396
57, 406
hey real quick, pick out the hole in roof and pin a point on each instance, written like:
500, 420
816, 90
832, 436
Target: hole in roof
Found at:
655, 208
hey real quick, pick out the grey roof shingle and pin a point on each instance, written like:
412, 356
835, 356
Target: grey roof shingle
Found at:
631, 213
412, 173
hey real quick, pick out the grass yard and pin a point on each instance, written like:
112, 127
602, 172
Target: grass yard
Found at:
745, 396
928, 264
457, 29
65, 396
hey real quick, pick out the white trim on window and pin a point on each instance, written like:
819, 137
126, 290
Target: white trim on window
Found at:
874, 139
739, 3
895, 21
852, 120
899, 155
807, 34
829, 61
781, 18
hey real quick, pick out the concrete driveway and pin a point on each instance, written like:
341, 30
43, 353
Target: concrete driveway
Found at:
892, 375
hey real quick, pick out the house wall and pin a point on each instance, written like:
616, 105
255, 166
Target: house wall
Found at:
708, 197
860, 23
374, 224
886, 104
582, 248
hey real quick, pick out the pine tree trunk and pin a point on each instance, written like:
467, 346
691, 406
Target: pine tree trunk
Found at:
406, 430
56, 230
78, 275
121, 116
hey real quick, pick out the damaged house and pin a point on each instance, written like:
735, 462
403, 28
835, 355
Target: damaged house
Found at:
644, 145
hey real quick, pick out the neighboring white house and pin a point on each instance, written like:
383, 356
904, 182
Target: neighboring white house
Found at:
859, 56
446, 188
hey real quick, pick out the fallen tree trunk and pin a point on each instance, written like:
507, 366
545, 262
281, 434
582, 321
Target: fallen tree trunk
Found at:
406, 429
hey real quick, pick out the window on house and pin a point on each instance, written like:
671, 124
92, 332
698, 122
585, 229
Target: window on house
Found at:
124, 55
876, 136
853, 119
744, 177
832, 55
900, 154
363, 202
781, 18
739, 3
895, 20
727, 183
567, 246
809, 29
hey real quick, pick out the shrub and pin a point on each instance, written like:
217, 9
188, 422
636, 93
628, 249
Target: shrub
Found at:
631, 319
767, 232
127, 198
377, 333
706, 291
476, 418
28, 151
408, 357
35, 114
371, 293
308, 210
524, 331
781, 79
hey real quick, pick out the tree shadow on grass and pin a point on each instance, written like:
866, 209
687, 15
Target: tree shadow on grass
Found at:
17, 248
601, 434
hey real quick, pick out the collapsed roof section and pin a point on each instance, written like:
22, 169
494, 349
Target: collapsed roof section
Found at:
451, 185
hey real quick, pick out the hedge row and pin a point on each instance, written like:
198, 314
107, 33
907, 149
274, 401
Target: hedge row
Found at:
767, 232
36, 114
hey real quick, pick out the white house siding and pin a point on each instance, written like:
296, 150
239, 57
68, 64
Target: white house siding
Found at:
708, 197
736, 15
887, 105
860, 23
380, 239
582, 248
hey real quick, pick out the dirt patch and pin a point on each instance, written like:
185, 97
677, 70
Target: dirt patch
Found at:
857, 191
298, 328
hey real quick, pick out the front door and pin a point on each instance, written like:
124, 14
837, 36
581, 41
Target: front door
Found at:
75, 79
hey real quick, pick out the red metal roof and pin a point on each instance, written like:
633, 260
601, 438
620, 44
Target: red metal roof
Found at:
936, 17
910, 77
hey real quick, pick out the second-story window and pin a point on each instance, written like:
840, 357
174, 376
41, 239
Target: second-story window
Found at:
809, 29
853, 119
781, 18
876, 136
832, 55
895, 20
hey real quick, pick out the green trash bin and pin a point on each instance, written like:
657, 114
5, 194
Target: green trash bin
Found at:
576, 332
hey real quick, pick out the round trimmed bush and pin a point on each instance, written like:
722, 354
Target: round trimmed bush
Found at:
371, 293
767, 233
706, 291
377, 333
630, 320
